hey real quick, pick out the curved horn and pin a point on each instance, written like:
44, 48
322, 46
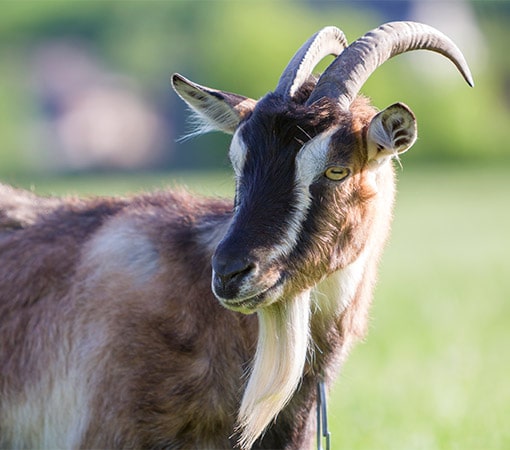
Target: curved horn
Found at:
328, 41
345, 76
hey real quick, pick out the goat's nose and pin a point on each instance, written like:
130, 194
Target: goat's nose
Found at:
229, 273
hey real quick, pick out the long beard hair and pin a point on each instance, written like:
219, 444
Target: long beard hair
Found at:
278, 365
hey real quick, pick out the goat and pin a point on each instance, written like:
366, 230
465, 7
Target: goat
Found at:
166, 320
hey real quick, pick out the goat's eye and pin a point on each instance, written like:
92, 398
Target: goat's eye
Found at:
336, 173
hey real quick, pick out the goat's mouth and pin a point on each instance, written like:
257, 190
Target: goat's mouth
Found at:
249, 298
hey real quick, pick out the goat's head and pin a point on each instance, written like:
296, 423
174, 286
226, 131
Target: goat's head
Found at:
313, 170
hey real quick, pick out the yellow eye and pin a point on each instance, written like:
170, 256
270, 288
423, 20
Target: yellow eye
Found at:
336, 173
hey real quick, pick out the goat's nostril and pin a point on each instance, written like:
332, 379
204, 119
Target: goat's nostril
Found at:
236, 273
229, 273
232, 270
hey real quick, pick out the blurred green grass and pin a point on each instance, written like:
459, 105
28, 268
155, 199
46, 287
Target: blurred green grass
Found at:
433, 372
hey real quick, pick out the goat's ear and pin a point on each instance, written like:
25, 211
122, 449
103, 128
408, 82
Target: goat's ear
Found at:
217, 110
391, 132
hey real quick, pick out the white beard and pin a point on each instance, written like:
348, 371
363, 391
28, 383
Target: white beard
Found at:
278, 366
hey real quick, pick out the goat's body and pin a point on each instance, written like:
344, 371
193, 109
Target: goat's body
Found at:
110, 336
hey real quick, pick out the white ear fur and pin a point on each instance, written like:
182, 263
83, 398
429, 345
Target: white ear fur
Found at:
214, 110
391, 132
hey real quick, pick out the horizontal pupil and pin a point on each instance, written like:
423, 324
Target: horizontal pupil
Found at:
336, 173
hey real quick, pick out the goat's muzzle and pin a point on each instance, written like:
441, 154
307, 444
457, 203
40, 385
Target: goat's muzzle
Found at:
241, 283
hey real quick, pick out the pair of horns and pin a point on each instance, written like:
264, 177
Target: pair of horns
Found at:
353, 64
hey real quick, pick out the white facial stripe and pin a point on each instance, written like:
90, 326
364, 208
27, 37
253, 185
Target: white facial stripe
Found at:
237, 152
312, 158
310, 163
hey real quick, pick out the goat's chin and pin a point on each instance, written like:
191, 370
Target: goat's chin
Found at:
278, 365
254, 303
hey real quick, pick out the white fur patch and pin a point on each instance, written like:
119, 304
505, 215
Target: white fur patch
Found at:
120, 248
52, 413
312, 158
333, 295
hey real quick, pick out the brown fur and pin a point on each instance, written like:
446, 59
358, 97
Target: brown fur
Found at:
146, 349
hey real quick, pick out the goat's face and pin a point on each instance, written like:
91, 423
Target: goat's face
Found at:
305, 180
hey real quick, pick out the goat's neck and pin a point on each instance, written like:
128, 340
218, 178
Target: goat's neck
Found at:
333, 302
